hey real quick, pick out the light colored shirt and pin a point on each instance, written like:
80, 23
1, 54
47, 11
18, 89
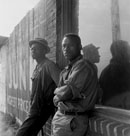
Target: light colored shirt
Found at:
78, 86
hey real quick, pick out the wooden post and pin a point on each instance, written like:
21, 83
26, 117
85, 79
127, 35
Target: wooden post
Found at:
67, 22
115, 18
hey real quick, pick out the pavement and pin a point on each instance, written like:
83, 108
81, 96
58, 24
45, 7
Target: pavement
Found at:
8, 125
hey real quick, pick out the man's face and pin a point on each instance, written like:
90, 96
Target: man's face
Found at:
37, 51
70, 49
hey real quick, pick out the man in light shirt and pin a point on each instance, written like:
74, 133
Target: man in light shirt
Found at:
76, 93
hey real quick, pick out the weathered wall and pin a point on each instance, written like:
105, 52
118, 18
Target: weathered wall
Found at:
49, 19
3, 56
39, 22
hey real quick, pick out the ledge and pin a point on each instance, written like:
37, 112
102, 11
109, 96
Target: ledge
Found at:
120, 115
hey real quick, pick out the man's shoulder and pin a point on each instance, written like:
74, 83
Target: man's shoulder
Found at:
50, 66
83, 62
87, 66
48, 62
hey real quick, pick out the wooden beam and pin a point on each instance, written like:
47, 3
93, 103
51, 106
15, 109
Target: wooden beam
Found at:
115, 18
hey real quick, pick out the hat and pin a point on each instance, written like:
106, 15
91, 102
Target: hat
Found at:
90, 47
42, 42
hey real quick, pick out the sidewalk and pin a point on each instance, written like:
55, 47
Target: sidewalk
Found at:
8, 125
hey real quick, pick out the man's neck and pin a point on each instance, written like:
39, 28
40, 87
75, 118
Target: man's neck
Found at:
40, 60
71, 61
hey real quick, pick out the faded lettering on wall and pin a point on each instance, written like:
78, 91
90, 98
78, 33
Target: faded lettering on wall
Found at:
23, 105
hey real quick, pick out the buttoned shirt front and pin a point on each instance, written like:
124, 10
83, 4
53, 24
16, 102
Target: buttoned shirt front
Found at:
44, 80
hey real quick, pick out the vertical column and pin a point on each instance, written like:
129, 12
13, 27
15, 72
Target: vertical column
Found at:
115, 18
67, 22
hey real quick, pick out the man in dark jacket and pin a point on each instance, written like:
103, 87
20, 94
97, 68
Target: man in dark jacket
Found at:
44, 80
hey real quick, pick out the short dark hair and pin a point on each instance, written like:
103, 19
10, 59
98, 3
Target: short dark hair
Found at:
120, 50
75, 38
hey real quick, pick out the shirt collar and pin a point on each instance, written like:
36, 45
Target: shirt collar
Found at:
41, 63
72, 62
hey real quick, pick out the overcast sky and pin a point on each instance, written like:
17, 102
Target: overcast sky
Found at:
11, 12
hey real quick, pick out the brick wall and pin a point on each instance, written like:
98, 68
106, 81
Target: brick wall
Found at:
66, 21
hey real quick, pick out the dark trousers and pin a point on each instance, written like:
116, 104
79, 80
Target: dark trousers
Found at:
34, 123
